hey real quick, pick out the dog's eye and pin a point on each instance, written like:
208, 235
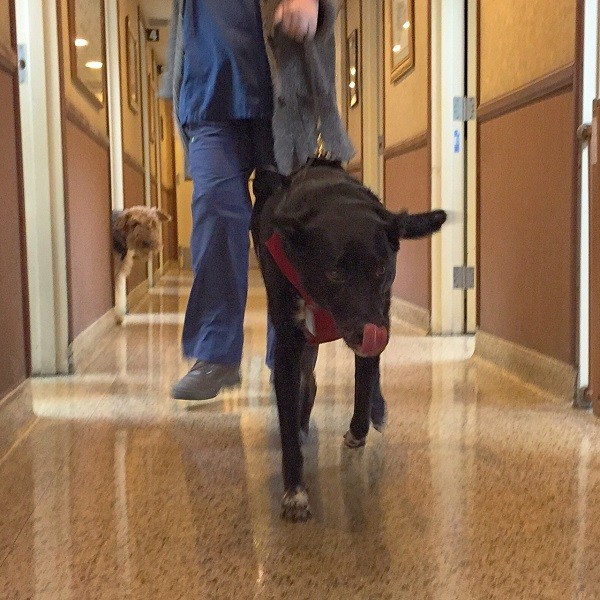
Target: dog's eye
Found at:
335, 276
380, 271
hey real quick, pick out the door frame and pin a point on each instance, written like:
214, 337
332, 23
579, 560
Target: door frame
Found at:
43, 186
115, 128
453, 172
589, 90
472, 165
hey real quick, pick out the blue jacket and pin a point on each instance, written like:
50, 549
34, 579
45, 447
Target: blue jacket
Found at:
303, 86
225, 67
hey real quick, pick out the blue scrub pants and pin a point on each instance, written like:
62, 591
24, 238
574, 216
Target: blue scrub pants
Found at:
222, 155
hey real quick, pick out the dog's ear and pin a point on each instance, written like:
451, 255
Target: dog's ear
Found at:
409, 227
124, 221
289, 228
162, 216
290, 222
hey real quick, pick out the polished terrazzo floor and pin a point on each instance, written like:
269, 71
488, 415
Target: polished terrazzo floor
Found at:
480, 488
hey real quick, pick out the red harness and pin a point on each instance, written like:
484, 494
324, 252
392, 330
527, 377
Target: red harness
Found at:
319, 326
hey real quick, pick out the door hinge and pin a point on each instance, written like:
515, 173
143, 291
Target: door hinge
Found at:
380, 145
464, 108
22, 62
464, 278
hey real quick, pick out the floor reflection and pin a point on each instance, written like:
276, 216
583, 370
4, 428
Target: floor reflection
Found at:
479, 488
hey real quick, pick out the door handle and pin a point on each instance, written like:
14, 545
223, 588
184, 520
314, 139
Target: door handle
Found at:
584, 132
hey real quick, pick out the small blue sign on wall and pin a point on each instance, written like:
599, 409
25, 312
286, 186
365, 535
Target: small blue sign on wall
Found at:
456, 141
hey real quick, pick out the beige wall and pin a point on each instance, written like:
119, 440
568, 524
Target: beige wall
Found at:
406, 101
535, 38
96, 117
132, 122
184, 198
353, 9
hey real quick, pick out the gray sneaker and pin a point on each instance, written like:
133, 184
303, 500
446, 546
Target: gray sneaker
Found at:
205, 380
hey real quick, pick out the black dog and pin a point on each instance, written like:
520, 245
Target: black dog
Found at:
337, 245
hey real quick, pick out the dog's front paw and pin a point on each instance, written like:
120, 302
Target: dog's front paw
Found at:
294, 505
352, 442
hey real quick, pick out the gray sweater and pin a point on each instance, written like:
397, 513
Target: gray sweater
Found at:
303, 78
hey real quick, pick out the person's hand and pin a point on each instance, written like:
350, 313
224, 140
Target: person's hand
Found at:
298, 18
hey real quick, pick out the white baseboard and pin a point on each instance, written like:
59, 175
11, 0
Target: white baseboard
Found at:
89, 337
544, 372
413, 315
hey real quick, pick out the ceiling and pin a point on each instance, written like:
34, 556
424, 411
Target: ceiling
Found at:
156, 14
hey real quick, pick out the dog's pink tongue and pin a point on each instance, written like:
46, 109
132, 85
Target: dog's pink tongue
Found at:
374, 340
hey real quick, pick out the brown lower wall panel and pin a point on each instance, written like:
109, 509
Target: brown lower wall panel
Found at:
89, 241
407, 185
527, 227
13, 319
133, 187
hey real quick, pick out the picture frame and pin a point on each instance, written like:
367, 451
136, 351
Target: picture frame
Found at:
87, 49
132, 58
353, 68
152, 97
402, 38
152, 112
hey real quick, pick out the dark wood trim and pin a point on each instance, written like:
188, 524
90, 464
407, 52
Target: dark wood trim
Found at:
478, 179
133, 163
415, 143
361, 83
577, 166
22, 216
539, 89
344, 46
12, 15
60, 7
77, 118
429, 152
8, 59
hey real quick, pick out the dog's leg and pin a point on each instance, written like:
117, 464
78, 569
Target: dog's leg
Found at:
288, 355
378, 405
365, 376
127, 264
308, 388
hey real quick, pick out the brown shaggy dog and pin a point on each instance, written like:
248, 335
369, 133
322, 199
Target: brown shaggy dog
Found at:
135, 234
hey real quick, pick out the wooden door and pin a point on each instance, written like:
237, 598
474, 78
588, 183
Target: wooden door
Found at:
594, 381
14, 324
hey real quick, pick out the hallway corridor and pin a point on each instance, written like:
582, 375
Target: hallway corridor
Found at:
480, 488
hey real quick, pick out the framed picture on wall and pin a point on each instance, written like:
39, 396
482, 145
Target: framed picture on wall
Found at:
152, 112
402, 38
353, 68
132, 51
87, 48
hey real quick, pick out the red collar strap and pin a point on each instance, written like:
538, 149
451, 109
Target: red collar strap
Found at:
319, 325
